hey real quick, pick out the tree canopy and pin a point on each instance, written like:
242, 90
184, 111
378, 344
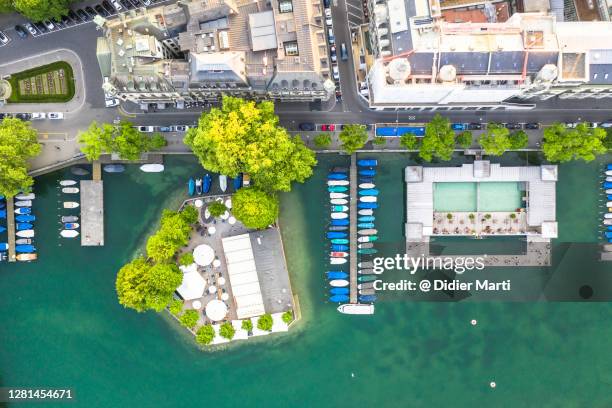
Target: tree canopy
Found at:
173, 233
216, 209
227, 330
205, 334
408, 140
189, 319
142, 286
353, 137
18, 143
322, 140
518, 140
608, 139
495, 140
439, 140
38, 10
562, 144
265, 322
123, 139
254, 208
244, 137
464, 139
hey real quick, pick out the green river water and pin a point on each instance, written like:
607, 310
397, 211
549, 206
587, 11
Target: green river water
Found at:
63, 327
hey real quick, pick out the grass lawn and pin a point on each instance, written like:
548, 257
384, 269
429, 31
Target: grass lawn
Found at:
48, 83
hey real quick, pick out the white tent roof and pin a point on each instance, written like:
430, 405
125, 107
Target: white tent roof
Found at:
203, 255
192, 286
243, 276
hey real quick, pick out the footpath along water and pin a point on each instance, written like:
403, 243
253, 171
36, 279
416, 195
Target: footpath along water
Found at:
64, 328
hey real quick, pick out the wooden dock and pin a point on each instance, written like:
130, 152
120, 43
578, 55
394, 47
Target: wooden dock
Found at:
353, 229
10, 228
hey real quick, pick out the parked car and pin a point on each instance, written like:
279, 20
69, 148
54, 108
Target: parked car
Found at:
458, 126
91, 11
3, 38
571, 125
343, 52
338, 95
108, 7
474, 126
307, 126
116, 4
146, 128
30, 28
335, 73
101, 11
41, 27
181, 128
38, 116
592, 125
21, 32
165, 129
513, 126
50, 26
606, 125
330, 36
126, 4
332, 53
328, 17
23, 116
55, 115
83, 15
74, 17
328, 128
532, 125
110, 102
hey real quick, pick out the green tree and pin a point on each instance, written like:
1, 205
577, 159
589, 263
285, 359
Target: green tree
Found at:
408, 141
227, 330
189, 214
129, 142
322, 140
608, 140
174, 227
216, 209
189, 319
255, 208
18, 143
353, 137
518, 140
160, 248
205, 334
287, 316
6, 6
247, 325
464, 139
379, 141
175, 307
96, 140
38, 10
561, 144
141, 286
246, 137
186, 259
265, 322
495, 140
439, 140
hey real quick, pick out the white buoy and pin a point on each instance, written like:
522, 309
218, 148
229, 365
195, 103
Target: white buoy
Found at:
492, 384
474, 322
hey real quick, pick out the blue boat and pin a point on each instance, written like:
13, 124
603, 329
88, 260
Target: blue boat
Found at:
609, 166
3, 214
608, 234
339, 298
366, 225
335, 234
363, 180
3, 246
367, 298
367, 163
20, 210
338, 247
331, 275
367, 173
610, 228
207, 183
338, 227
337, 176
609, 197
607, 184
25, 248
25, 218
2, 229
339, 291
191, 186
337, 189
366, 218
2, 205
367, 205
369, 192
23, 226
339, 208
367, 251
339, 241
238, 181
340, 222
2, 197
71, 225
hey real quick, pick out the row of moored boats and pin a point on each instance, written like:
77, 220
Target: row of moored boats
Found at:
338, 234
198, 186
24, 227
607, 220
70, 222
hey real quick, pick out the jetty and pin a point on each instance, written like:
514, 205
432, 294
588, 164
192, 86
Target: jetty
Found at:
10, 228
92, 212
353, 200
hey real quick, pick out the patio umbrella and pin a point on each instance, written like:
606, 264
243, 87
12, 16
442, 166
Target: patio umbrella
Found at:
216, 310
203, 255
198, 203
225, 215
216, 263
212, 229
228, 203
224, 296
231, 220
221, 281
196, 304
212, 289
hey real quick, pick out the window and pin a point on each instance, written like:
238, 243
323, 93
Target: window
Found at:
285, 6
291, 48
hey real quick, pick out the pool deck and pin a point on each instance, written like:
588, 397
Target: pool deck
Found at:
92, 213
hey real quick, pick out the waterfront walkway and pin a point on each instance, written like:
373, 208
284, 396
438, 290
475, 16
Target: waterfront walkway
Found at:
353, 230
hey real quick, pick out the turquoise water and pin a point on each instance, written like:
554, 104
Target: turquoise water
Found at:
469, 197
460, 197
499, 196
64, 328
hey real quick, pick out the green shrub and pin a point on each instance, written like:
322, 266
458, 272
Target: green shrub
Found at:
227, 330
186, 259
265, 322
205, 334
175, 306
322, 140
379, 141
189, 318
216, 209
247, 325
287, 316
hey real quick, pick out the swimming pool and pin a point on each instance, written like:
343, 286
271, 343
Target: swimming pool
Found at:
471, 197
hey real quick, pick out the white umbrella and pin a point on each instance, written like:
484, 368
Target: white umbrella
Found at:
192, 286
198, 203
212, 289
196, 304
219, 199
216, 263
203, 255
216, 310
228, 203
231, 220
212, 229
225, 215
224, 296
221, 281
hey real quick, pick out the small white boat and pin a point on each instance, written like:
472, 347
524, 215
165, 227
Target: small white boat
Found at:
24, 196
79, 171
356, 309
338, 201
66, 183
608, 215
608, 178
609, 191
26, 257
607, 222
338, 283
70, 204
70, 190
152, 168
338, 183
337, 195
363, 239
340, 208
368, 199
607, 247
369, 231
69, 233
367, 186
337, 261
608, 204
25, 234
365, 212
25, 203
609, 173
339, 216
223, 182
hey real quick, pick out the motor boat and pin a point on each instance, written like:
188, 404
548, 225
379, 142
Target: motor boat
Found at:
69, 233
339, 291
339, 215
339, 298
198, 186
66, 183
367, 251
25, 218
337, 189
191, 186
356, 309
332, 235
339, 254
367, 298
367, 278
24, 196
337, 176
21, 226
365, 212
368, 192
367, 163
340, 241
70, 204
25, 203
223, 182
338, 247
338, 183
238, 181
114, 168
340, 222
367, 238
23, 210
365, 225
366, 218
26, 257
367, 186
338, 201
79, 171
365, 245
339, 208
337, 195
23, 241
25, 248
368, 231
69, 218
337, 261
367, 173
25, 234
152, 168
338, 227
337, 275
362, 205
368, 199
71, 225
70, 190
207, 183
338, 283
